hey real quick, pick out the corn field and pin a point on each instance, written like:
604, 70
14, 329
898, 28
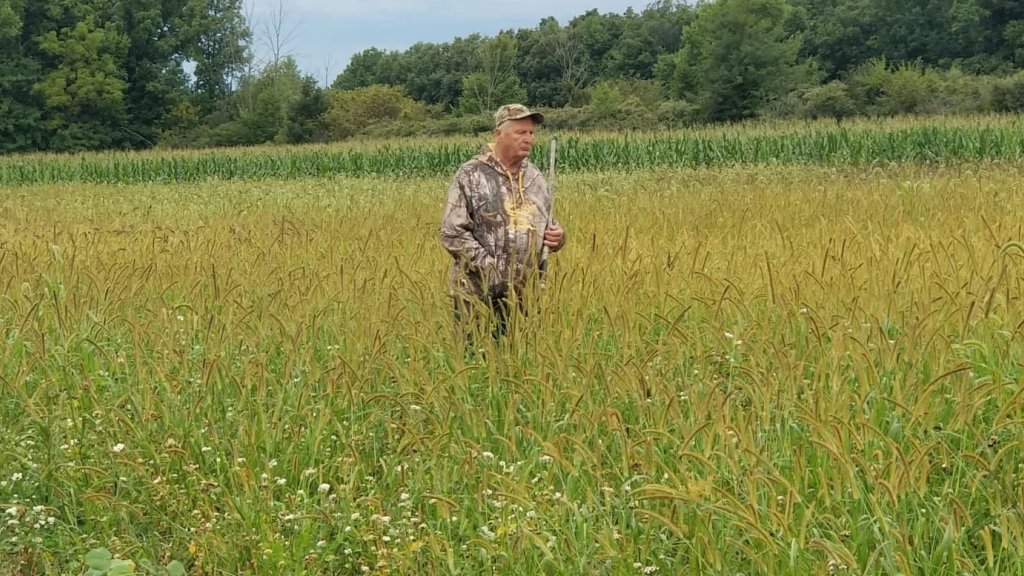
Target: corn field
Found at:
799, 367
861, 144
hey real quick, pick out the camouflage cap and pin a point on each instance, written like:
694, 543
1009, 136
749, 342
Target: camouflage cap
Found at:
515, 112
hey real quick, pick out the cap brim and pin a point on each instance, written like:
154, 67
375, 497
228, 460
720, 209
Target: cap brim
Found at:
537, 117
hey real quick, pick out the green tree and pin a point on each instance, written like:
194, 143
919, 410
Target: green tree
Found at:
215, 37
156, 81
737, 58
647, 36
495, 82
834, 33
538, 64
306, 117
598, 35
84, 93
21, 127
364, 69
264, 105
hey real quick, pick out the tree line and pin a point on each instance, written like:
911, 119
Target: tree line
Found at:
106, 74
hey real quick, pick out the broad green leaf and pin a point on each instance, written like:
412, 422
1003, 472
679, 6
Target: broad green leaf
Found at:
98, 559
121, 568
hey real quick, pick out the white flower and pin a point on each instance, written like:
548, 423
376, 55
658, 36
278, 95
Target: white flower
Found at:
281, 481
324, 488
356, 516
545, 458
321, 544
730, 336
206, 449
16, 476
487, 455
118, 448
13, 511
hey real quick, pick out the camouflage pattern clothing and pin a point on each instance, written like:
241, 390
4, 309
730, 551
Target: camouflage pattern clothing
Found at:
493, 226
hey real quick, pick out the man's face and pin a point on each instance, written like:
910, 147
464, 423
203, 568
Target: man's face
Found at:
514, 139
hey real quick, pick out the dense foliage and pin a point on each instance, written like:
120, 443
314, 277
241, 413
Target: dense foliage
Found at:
100, 74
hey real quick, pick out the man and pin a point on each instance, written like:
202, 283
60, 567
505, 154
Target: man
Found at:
496, 222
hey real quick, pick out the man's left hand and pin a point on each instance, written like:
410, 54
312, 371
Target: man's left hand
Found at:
553, 237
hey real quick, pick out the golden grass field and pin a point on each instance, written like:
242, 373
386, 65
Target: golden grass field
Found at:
749, 370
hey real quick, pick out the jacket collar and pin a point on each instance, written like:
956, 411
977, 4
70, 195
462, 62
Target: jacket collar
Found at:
486, 156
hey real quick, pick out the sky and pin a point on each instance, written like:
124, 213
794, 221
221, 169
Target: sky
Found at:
322, 35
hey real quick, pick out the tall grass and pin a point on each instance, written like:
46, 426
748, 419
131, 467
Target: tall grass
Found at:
771, 370
860, 143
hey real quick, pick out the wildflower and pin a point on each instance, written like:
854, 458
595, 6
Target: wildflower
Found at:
324, 488
118, 448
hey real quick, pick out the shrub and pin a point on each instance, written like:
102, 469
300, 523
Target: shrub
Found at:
1008, 94
349, 112
832, 100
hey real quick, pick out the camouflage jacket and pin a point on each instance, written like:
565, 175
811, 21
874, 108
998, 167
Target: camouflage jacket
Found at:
493, 225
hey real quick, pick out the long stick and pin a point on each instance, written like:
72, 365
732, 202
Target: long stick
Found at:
551, 213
